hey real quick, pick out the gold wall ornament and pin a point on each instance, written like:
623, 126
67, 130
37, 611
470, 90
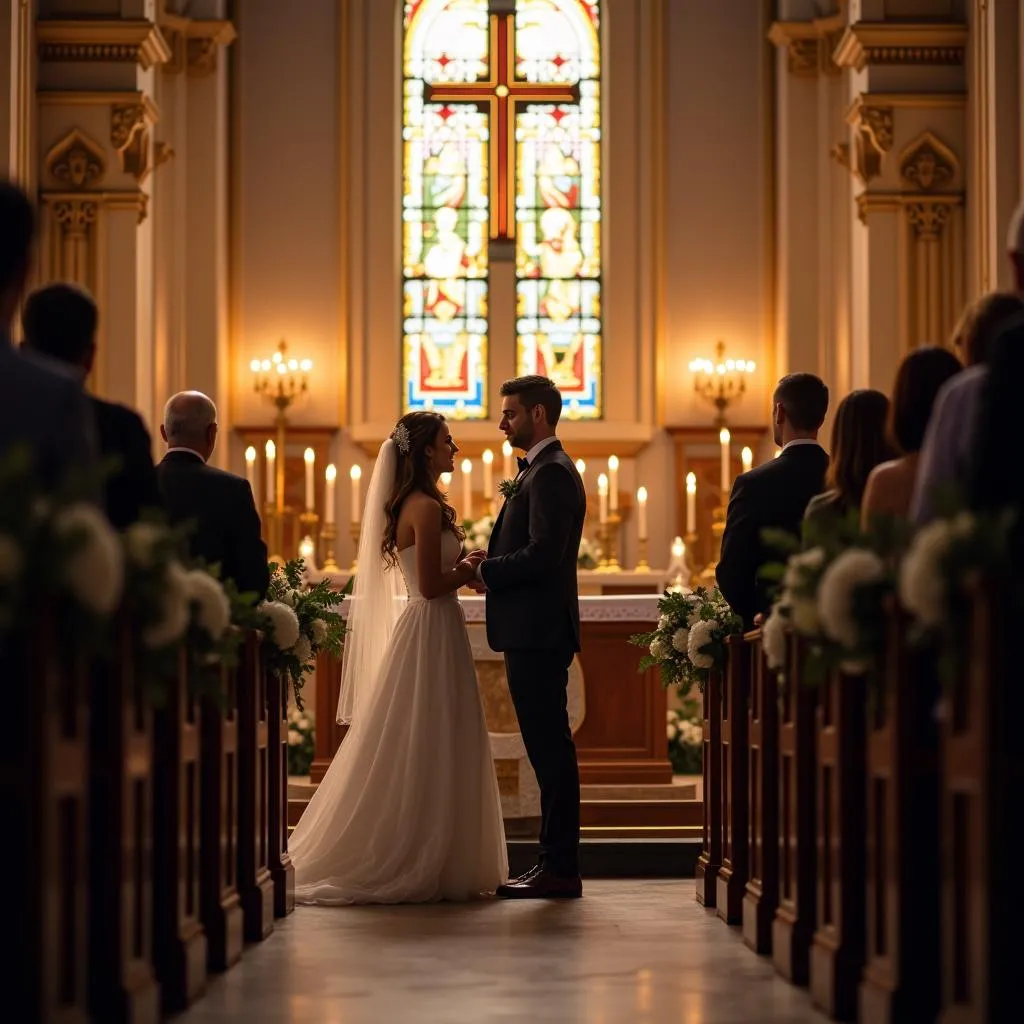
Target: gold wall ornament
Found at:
129, 135
77, 162
903, 43
874, 133
76, 216
928, 165
929, 219
195, 43
810, 45
134, 41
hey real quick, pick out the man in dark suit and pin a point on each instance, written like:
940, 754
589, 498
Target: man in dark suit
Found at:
533, 616
775, 494
43, 407
220, 506
60, 323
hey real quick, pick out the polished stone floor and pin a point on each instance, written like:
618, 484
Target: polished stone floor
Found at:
630, 951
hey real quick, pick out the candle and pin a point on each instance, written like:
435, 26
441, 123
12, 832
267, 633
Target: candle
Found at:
446, 479
467, 489
506, 451
691, 503
725, 437
355, 475
271, 450
250, 467
613, 482
778, 452
602, 494
641, 513
330, 475
310, 456
678, 550
581, 468
748, 459
488, 458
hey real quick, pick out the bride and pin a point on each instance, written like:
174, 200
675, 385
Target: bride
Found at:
409, 811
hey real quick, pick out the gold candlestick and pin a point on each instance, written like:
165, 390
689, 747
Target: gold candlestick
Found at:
308, 521
274, 528
641, 562
356, 529
327, 535
707, 576
610, 561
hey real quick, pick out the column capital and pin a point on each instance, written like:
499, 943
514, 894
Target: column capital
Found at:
867, 43
113, 40
195, 43
810, 44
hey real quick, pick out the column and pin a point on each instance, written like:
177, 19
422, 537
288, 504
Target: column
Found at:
16, 94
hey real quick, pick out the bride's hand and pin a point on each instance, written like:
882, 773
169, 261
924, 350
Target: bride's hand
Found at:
476, 556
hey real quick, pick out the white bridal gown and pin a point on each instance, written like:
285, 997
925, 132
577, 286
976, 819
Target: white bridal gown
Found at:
409, 809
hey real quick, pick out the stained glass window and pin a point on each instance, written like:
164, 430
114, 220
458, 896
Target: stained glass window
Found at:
501, 144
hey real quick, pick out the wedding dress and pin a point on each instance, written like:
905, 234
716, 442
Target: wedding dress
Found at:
409, 811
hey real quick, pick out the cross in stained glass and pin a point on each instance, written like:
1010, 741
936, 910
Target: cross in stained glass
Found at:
499, 95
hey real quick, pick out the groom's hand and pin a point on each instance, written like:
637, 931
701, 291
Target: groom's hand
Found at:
477, 555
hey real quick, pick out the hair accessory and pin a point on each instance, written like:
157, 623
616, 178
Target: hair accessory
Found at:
400, 435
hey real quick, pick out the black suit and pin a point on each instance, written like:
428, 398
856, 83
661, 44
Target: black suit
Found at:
773, 495
132, 487
223, 511
533, 616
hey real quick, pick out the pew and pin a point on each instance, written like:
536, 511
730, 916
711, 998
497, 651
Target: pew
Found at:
732, 875
179, 942
255, 886
798, 862
220, 905
710, 859
838, 946
762, 893
900, 980
282, 871
46, 796
122, 982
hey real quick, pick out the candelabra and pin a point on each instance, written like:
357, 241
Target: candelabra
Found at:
274, 532
307, 546
721, 382
609, 533
642, 565
356, 530
707, 576
327, 535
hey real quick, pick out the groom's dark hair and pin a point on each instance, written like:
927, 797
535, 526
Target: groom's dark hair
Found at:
535, 390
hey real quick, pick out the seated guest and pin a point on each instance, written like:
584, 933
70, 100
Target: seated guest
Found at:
775, 494
44, 407
944, 464
60, 323
920, 377
858, 446
219, 505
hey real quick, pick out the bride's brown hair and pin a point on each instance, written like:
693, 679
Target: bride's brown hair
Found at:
412, 435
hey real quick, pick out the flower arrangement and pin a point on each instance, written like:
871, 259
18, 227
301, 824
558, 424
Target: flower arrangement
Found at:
685, 732
689, 641
300, 741
478, 532
589, 554
299, 621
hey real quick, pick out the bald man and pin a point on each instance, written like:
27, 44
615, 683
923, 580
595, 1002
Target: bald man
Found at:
219, 506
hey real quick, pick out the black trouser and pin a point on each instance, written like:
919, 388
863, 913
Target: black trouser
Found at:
538, 680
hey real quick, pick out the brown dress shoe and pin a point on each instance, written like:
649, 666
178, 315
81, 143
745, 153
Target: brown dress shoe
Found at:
543, 886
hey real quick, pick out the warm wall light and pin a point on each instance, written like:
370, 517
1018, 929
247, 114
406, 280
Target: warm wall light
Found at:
280, 379
722, 381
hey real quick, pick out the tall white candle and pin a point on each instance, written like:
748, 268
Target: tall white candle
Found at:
725, 437
310, 456
691, 503
641, 513
506, 452
271, 451
329, 477
446, 481
581, 468
602, 495
355, 475
488, 460
613, 482
467, 489
748, 459
250, 467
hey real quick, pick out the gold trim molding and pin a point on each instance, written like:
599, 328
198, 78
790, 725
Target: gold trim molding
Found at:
890, 202
136, 41
902, 43
810, 45
195, 43
76, 162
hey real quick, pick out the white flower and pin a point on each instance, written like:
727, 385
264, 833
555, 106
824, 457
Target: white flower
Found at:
803, 613
701, 634
95, 571
693, 618
854, 568
304, 723
773, 639
11, 559
139, 541
671, 730
291, 597
282, 622
294, 738
303, 650
660, 649
690, 733
802, 564
319, 631
174, 608
664, 622
922, 583
213, 606
681, 640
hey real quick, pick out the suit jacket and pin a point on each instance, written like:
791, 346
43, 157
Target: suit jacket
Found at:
132, 487
45, 407
773, 495
530, 570
222, 511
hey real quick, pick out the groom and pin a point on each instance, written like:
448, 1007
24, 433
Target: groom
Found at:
533, 616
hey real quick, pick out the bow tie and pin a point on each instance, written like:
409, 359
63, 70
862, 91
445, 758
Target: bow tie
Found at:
524, 465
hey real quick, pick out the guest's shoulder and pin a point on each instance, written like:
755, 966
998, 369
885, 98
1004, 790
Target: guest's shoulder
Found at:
114, 412
965, 383
43, 372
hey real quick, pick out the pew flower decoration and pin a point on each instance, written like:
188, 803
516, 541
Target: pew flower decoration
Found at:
300, 741
300, 621
689, 641
94, 570
685, 732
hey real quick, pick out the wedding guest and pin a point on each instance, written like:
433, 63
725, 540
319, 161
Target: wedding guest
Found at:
981, 322
858, 445
44, 407
219, 506
59, 322
775, 494
920, 377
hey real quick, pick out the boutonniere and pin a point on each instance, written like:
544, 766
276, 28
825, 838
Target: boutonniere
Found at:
509, 489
